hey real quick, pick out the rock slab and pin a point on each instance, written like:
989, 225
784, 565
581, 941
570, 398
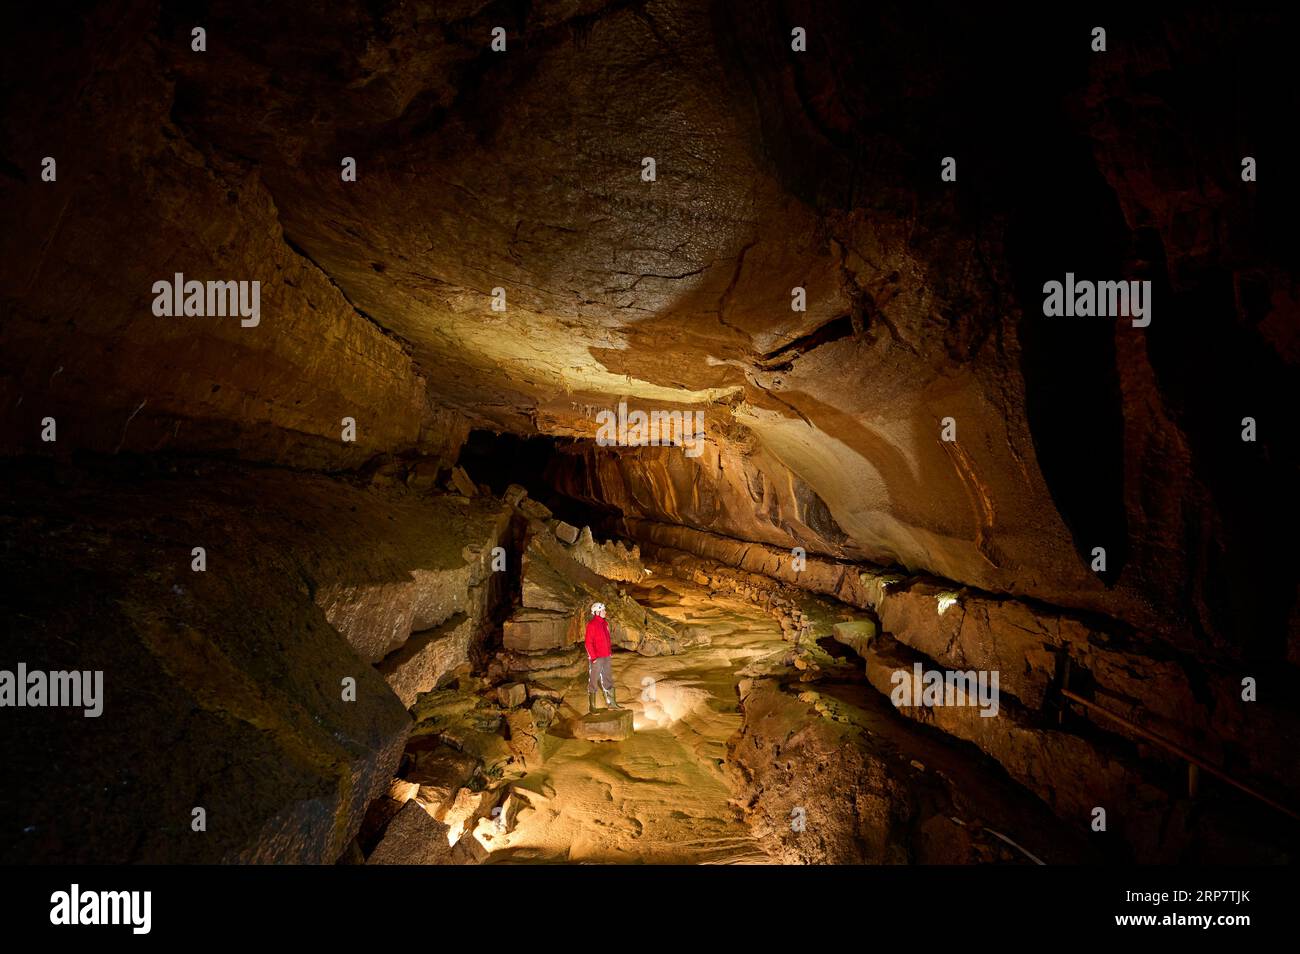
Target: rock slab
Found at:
604, 726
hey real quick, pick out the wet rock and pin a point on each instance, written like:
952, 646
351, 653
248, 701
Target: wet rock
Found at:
514, 494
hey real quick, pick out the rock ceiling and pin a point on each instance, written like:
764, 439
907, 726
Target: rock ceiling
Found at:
521, 170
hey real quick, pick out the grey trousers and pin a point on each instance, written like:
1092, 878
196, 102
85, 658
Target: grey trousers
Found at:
600, 673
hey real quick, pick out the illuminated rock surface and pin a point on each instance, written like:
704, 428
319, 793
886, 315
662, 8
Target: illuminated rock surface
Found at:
321, 457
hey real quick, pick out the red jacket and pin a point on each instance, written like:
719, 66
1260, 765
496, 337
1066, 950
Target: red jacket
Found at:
597, 638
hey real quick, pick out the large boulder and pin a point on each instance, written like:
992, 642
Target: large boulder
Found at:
413, 837
535, 631
226, 690
439, 772
427, 657
565, 532
855, 634
437, 562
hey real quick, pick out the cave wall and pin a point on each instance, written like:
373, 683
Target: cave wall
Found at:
479, 171
225, 684
521, 171
1070, 435
136, 201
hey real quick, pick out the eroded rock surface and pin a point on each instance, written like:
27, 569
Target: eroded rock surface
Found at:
223, 689
820, 436
822, 425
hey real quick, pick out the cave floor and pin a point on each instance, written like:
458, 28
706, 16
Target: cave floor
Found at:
661, 796
667, 796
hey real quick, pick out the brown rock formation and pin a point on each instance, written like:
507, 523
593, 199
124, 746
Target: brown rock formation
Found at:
224, 689
796, 278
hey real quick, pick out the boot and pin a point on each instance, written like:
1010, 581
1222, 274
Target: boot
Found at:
609, 698
591, 702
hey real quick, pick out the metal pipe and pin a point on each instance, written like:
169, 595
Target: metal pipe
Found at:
1180, 752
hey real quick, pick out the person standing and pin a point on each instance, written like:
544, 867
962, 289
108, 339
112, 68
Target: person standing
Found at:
600, 672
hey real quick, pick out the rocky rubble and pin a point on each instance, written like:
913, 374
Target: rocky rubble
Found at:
472, 741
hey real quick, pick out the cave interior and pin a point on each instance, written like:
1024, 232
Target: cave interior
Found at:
726, 315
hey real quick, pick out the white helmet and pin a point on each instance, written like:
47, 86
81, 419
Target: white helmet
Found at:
597, 608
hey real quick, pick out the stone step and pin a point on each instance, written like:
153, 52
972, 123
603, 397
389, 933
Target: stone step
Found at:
604, 725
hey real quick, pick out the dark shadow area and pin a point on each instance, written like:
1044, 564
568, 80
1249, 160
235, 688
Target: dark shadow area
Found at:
1068, 221
500, 460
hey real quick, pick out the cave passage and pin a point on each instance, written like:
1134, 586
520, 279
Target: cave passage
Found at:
338, 348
